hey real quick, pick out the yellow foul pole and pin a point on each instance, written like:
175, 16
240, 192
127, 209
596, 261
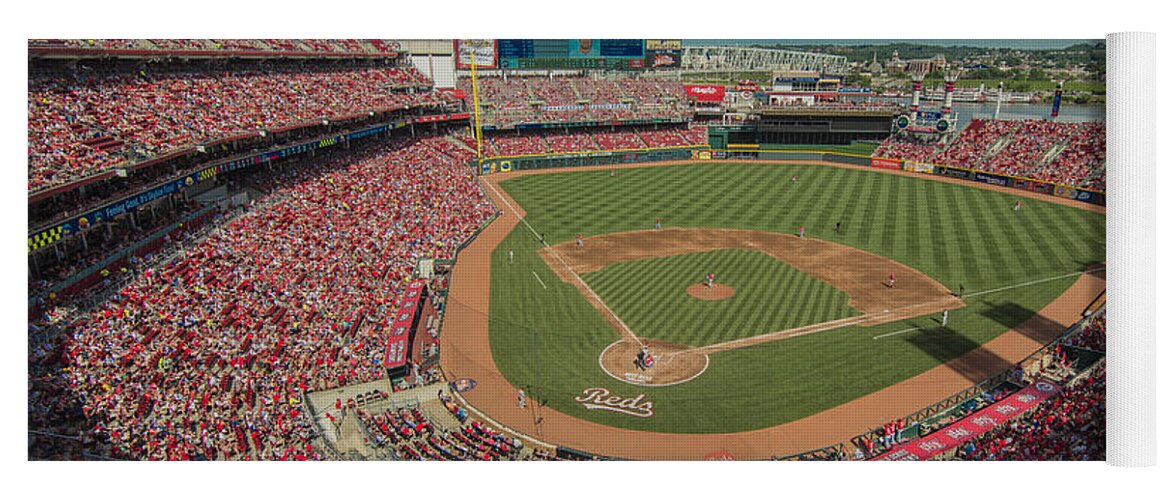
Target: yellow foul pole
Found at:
476, 105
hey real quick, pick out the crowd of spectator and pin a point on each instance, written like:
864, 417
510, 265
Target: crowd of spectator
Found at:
409, 434
1092, 336
542, 99
84, 123
1072, 154
1069, 426
208, 356
330, 46
523, 142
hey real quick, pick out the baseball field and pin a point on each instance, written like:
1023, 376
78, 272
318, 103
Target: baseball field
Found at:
795, 325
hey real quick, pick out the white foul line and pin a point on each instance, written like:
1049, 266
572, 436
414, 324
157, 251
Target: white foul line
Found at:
539, 280
1037, 282
898, 332
566, 264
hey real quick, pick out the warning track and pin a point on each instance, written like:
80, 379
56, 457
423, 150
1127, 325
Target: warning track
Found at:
466, 353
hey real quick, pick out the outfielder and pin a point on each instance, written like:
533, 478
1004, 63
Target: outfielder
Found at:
944, 317
1017, 207
510, 257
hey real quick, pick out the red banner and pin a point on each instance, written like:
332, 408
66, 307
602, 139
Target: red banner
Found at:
441, 118
705, 93
978, 423
885, 163
401, 325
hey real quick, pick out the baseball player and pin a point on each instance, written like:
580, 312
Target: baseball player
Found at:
520, 397
961, 294
891, 281
1017, 207
838, 227
611, 172
793, 179
711, 278
510, 257
658, 224
801, 232
944, 317
580, 243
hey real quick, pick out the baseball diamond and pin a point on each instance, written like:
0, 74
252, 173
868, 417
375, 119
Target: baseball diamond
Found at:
794, 344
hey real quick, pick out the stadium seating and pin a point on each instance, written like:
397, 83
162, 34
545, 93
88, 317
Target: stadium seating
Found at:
1069, 426
541, 99
332, 46
296, 293
1072, 154
80, 126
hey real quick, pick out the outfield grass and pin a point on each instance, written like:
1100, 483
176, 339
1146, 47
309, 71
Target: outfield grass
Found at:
548, 337
651, 297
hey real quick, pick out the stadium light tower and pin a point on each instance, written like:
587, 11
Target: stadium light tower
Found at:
916, 88
949, 79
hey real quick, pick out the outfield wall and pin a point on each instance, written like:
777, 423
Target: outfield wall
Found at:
700, 153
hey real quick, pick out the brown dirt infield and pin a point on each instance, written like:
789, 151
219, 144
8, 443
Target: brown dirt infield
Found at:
466, 352
716, 292
674, 364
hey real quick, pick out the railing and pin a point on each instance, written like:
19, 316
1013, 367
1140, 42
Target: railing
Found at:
1032, 364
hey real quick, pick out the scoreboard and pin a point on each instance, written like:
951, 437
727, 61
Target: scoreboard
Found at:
571, 54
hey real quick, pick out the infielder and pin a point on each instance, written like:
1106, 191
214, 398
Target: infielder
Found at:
580, 243
658, 224
891, 281
801, 232
520, 397
944, 317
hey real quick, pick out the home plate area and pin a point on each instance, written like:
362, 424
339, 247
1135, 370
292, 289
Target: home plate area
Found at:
669, 363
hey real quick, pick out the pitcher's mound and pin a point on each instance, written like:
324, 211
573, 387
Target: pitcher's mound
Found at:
716, 292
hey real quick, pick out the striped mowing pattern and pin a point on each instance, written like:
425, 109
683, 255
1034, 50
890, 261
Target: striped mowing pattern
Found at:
953, 233
549, 338
650, 296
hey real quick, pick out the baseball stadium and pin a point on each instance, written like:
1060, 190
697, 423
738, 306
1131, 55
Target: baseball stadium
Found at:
606, 249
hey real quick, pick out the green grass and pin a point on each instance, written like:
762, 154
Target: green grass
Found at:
651, 298
954, 233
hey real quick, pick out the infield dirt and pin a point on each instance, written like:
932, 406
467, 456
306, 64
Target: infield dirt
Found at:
466, 352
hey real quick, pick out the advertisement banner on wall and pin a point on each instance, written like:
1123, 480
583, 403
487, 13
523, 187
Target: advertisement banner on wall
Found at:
664, 59
483, 51
886, 163
978, 423
914, 166
704, 93
995, 180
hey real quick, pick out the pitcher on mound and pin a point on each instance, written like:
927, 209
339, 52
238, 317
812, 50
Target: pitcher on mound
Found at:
711, 279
